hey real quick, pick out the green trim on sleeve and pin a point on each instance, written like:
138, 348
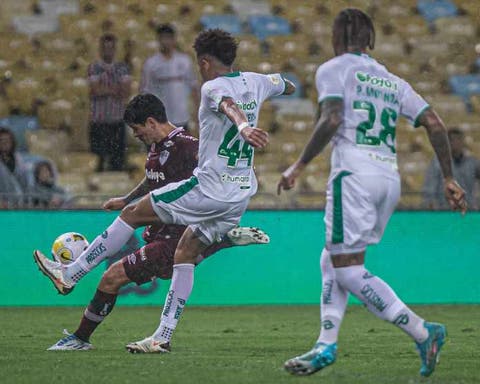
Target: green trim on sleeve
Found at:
416, 122
284, 85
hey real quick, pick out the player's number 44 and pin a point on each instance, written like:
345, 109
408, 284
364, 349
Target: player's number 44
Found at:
230, 148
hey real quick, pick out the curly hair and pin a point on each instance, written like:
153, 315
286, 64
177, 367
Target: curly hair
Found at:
352, 28
217, 43
141, 107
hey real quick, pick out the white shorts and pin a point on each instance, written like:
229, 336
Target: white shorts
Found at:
358, 209
183, 203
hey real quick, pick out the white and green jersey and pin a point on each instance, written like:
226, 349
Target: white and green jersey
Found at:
225, 164
373, 100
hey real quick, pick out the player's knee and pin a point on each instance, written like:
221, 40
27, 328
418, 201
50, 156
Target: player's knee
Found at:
185, 255
130, 216
114, 278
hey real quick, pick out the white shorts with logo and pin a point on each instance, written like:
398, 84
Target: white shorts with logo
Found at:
183, 203
358, 208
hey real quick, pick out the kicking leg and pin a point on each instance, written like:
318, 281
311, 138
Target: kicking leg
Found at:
103, 246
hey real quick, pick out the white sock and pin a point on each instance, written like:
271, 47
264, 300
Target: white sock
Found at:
180, 289
104, 246
333, 302
381, 300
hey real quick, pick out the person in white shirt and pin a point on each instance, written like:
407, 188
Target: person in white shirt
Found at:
169, 75
212, 201
360, 102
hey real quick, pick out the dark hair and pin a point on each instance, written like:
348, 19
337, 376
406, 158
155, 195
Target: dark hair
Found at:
217, 43
165, 29
352, 28
142, 107
108, 38
40, 164
5, 130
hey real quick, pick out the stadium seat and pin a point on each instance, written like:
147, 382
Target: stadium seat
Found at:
246, 8
435, 9
465, 86
19, 125
229, 23
263, 26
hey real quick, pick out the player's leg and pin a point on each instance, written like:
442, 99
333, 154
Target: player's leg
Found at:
348, 260
189, 247
333, 304
238, 236
103, 246
100, 307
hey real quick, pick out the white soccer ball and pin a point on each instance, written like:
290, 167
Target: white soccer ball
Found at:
67, 247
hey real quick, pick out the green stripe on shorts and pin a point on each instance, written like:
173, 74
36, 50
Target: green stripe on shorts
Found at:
337, 231
174, 194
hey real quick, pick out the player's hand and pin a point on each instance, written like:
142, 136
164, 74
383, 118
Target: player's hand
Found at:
455, 195
114, 204
287, 180
256, 137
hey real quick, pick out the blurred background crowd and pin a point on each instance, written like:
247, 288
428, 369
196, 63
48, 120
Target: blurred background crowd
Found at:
67, 68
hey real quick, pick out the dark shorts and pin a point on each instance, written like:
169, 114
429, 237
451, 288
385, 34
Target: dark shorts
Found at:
107, 138
151, 261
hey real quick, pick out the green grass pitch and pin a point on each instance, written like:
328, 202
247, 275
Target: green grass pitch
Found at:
232, 345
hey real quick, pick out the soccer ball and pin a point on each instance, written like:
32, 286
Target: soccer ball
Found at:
67, 247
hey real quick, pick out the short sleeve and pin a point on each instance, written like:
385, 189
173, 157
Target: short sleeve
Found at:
329, 82
273, 85
213, 92
412, 105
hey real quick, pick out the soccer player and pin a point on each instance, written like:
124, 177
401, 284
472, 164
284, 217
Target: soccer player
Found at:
212, 201
360, 101
172, 157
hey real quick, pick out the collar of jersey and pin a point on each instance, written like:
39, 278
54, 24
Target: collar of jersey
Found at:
170, 135
361, 54
232, 74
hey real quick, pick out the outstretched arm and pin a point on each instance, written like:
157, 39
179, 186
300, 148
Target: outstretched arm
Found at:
330, 118
437, 134
117, 203
254, 136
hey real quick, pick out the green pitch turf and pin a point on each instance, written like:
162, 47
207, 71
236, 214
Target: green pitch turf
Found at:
231, 345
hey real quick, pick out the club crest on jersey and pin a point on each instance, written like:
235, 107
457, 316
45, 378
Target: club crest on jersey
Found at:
163, 157
168, 144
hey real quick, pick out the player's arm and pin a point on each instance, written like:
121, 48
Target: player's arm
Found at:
331, 116
254, 136
437, 134
117, 203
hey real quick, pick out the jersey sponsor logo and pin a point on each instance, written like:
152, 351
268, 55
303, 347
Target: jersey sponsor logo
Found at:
373, 298
96, 252
248, 106
227, 178
274, 79
154, 175
376, 81
163, 157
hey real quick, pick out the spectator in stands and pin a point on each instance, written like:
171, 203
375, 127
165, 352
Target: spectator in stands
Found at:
169, 75
466, 169
110, 84
44, 193
13, 171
